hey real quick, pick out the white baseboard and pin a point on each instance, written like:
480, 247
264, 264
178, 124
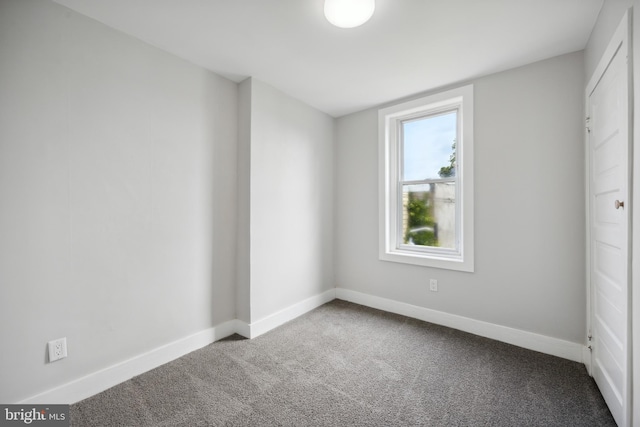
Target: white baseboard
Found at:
96, 382
272, 321
529, 340
242, 328
586, 359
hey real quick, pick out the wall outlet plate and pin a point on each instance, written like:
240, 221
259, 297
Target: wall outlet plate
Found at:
57, 349
433, 285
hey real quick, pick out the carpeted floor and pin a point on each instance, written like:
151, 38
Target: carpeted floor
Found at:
347, 365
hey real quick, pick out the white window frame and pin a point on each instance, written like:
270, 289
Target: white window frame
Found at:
390, 121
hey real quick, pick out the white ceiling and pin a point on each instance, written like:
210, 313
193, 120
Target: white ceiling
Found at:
409, 46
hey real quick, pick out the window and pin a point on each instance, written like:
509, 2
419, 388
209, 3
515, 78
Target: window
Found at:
426, 181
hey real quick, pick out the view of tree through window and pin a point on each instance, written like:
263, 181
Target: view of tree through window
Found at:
429, 180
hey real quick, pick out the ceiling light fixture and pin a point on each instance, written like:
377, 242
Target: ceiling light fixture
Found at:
349, 13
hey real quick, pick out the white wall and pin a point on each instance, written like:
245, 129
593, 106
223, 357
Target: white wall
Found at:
291, 199
529, 216
243, 276
117, 187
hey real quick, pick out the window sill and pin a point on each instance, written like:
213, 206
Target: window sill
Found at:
428, 260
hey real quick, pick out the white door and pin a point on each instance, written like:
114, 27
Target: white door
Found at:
608, 139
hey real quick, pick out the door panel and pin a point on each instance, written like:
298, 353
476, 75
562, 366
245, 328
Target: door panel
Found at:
609, 240
604, 200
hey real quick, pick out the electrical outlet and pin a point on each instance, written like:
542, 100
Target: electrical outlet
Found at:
433, 285
57, 349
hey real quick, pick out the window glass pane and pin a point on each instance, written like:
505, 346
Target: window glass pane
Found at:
429, 147
429, 215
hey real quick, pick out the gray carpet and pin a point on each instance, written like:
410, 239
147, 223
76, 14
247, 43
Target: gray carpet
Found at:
347, 365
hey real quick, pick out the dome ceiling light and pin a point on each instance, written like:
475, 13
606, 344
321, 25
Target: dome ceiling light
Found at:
348, 13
